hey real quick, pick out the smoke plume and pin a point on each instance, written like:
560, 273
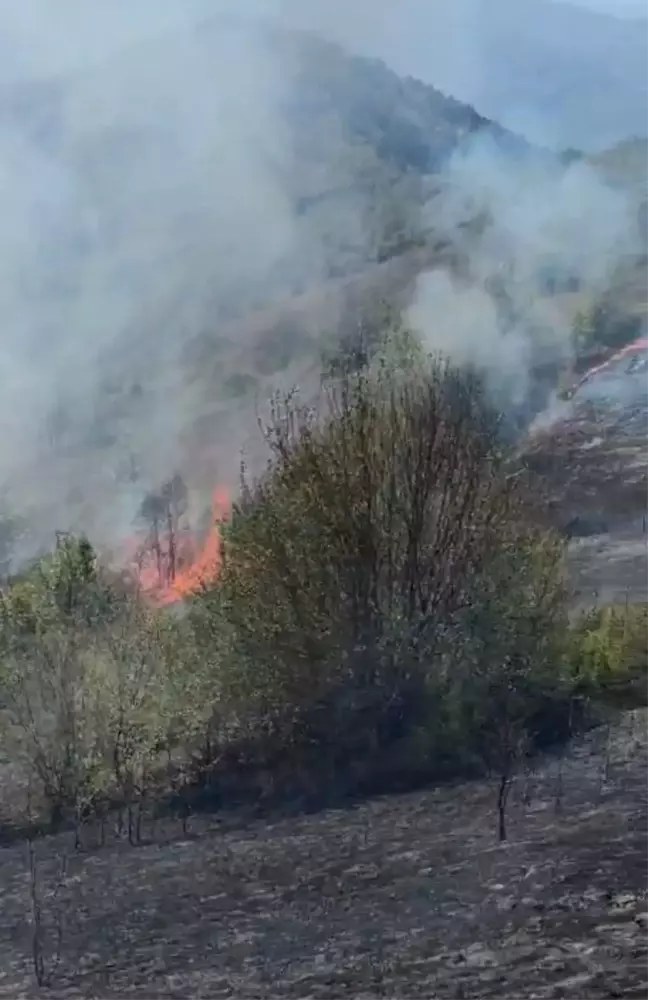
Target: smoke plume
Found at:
143, 166
549, 232
148, 196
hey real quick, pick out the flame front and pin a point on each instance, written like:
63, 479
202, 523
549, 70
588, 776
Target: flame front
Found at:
194, 566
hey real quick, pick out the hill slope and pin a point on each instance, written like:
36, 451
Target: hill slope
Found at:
409, 895
563, 74
184, 182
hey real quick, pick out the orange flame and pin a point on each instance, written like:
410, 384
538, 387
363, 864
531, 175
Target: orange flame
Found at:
197, 567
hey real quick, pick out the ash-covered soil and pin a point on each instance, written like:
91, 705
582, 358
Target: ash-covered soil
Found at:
409, 896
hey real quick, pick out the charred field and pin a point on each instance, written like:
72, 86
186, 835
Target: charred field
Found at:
591, 456
402, 896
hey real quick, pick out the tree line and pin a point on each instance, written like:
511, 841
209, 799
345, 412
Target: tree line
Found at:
392, 610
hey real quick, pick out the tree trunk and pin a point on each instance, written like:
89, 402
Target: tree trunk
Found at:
502, 795
559, 785
138, 823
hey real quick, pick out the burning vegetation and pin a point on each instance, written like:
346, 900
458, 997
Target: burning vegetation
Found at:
173, 561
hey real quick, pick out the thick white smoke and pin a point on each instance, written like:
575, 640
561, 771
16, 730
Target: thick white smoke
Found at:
147, 192
143, 161
547, 225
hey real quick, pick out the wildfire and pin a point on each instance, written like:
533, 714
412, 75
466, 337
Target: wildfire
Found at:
637, 345
171, 571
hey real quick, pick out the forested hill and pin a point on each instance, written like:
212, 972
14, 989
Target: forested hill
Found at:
408, 123
360, 146
371, 142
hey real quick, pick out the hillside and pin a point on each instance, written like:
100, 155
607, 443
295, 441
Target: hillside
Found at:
148, 247
310, 371
409, 895
168, 293
564, 74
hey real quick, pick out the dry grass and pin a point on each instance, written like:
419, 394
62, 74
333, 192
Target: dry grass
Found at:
406, 896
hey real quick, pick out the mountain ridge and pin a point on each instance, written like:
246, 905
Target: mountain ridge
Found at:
564, 75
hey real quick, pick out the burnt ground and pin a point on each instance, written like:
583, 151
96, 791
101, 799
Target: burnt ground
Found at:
591, 455
407, 896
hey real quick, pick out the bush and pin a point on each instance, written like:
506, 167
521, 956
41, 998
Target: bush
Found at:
359, 583
609, 655
94, 686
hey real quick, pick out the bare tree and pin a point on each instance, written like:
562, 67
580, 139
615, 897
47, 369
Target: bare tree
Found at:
43, 910
162, 512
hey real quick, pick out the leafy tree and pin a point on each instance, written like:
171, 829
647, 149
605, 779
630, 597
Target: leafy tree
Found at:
347, 564
50, 727
48, 623
508, 655
609, 654
129, 671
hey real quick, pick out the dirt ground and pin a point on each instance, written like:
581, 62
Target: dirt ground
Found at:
409, 896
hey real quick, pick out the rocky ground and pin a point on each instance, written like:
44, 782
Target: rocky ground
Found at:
403, 897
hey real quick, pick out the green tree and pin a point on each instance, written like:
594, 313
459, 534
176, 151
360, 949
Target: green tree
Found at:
508, 656
609, 654
48, 625
347, 564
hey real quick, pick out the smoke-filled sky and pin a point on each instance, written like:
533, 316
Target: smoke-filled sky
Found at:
144, 177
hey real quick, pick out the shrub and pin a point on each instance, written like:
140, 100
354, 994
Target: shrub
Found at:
609, 654
358, 580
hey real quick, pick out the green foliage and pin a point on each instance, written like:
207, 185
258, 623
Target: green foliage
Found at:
62, 590
390, 610
609, 654
385, 573
509, 652
94, 685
